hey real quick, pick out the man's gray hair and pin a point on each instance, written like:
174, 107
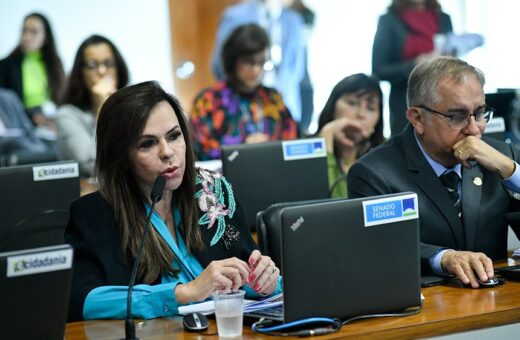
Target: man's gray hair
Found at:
423, 81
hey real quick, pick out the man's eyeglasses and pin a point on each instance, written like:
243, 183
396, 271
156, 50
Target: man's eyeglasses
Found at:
460, 119
92, 65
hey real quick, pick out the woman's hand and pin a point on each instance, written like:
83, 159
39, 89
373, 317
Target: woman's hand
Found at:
256, 137
264, 274
101, 90
344, 133
226, 274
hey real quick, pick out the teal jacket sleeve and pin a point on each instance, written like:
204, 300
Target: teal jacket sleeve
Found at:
109, 302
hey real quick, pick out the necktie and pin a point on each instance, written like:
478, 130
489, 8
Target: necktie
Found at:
451, 180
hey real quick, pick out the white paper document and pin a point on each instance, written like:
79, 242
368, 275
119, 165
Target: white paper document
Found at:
208, 307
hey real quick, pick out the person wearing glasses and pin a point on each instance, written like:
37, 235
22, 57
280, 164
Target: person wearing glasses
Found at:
240, 109
98, 71
465, 182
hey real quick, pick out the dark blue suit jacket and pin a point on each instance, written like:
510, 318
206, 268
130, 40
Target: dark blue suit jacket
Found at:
399, 165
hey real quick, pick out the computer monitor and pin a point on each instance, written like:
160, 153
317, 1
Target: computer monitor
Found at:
285, 171
34, 204
502, 103
35, 286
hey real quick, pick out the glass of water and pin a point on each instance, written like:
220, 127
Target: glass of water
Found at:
229, 311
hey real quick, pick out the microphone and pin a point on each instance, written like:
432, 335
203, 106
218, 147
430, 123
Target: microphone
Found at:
155, 196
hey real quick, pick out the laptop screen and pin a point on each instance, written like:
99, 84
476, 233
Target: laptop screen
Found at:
35, 292
267, 173
34, 204
352, 256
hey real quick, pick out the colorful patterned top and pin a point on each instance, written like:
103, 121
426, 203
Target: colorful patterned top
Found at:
222, 115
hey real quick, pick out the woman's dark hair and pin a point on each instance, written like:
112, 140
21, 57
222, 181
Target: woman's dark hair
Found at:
398, 5
244, 41
121, 122
359, 84
77, 92
53, 65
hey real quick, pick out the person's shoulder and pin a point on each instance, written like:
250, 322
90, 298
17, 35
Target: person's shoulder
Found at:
91, 200
209, 92
237, 10
70, 109
94, 209
271, 91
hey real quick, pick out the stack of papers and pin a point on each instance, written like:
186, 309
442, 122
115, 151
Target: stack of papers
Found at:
208, 307
516, 253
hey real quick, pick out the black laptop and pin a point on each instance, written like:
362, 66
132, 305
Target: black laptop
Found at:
35, 286
343, 258
285, 171
34, 204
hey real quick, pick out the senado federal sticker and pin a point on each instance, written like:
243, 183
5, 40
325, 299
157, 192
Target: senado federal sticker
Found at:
49, 261
391, 209
303, 149
55, 171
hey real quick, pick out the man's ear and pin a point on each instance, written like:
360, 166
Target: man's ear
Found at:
416, 119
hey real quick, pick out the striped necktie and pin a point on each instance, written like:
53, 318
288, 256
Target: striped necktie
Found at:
451, 180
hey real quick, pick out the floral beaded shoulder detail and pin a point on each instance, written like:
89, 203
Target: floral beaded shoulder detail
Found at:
212, 202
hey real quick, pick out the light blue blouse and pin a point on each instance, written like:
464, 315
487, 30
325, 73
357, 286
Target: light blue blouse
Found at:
152, 301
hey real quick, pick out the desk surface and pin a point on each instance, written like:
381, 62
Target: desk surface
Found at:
447, 309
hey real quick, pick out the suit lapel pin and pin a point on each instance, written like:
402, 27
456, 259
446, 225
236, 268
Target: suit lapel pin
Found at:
477, 181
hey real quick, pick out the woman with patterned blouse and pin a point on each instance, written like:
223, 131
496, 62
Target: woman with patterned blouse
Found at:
197, 242
240, 109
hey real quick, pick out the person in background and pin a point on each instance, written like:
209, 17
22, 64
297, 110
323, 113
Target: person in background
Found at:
98, 71
19, 143
285, 61
351, 123
466, 184
198, 241
405, 38
306, 88
33, 70
240, 109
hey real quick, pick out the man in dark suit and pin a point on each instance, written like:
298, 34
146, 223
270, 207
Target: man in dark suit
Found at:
462, 224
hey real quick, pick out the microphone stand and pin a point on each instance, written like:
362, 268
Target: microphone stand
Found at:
155, 196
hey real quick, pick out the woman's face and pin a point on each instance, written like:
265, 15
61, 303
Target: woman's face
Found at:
363, 108
249, 71
160, 150
99, 62
33, 35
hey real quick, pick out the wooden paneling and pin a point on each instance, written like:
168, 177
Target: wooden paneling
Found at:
193, 25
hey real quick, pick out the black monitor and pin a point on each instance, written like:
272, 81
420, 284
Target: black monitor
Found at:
34, 204
35, 287
502, 103
285, 171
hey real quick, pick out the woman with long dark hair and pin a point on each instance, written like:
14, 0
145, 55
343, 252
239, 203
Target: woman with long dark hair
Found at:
198, 241
98, 71
351, 123
33, 69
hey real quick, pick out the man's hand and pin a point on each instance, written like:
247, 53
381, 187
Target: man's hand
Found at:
466, 264
473, 148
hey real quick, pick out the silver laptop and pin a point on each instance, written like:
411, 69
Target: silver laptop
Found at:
35, 285
344, 258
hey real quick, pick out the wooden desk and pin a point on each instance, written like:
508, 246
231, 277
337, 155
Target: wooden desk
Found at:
446, 310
